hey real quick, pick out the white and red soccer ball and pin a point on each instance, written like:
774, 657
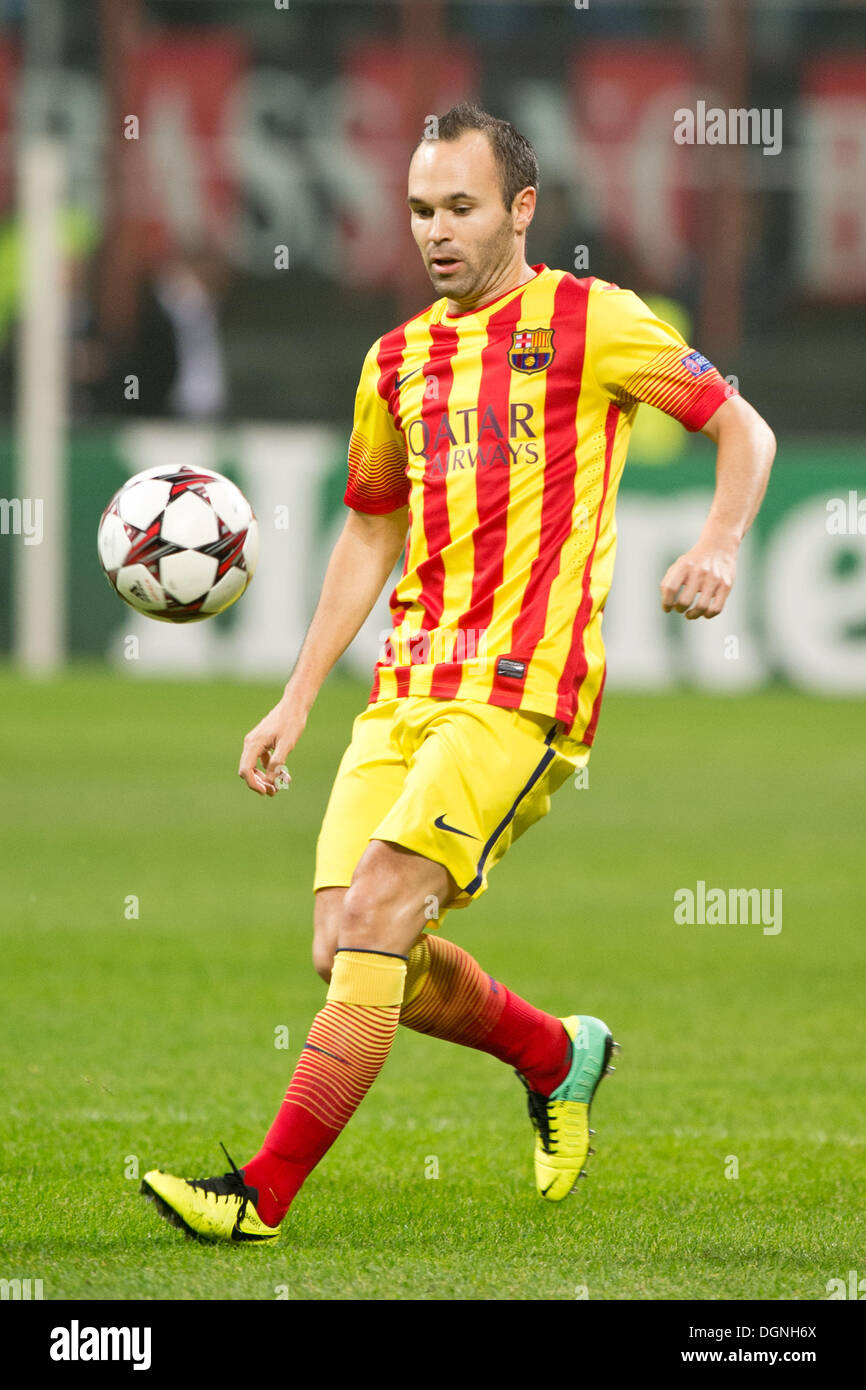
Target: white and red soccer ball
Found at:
178, 544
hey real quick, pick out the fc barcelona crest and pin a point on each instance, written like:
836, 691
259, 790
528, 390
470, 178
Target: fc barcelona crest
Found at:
531, 349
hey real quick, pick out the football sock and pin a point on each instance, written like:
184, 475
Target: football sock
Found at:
344, 1053
449, 996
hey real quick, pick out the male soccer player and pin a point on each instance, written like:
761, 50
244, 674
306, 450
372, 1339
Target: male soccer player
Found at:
492, 428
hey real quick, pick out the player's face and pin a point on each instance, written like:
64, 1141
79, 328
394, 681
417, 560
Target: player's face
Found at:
468, 239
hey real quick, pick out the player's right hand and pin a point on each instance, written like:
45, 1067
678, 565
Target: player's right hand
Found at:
270, 743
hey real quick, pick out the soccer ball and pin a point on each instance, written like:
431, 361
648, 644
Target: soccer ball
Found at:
178, 544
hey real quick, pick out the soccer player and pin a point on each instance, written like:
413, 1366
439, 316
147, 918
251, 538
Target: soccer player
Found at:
489, 439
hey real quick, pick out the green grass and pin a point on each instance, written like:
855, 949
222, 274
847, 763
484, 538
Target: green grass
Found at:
146, 1041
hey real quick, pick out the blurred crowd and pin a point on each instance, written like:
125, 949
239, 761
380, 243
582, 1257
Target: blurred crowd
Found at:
170, 361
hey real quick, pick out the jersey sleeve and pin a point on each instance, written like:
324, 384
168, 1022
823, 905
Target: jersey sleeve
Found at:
636, 356
377, 451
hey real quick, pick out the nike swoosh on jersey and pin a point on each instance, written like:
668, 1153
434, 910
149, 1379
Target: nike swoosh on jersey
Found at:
440, 824
398, 380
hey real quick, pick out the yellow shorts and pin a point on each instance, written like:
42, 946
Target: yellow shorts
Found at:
454, 780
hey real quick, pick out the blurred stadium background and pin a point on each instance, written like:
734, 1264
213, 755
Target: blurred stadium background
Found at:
231, 236
202, 229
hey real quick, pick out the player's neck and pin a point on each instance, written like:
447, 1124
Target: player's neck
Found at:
512, 279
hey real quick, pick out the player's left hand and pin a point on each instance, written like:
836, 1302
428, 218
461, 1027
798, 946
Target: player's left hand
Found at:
269, 744
698, 583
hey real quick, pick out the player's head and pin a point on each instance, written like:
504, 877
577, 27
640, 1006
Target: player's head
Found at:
472, 186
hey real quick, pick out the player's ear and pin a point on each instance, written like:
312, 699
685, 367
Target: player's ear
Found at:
523, 208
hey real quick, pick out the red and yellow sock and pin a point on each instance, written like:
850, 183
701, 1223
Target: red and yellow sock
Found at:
449, 996
344, 1053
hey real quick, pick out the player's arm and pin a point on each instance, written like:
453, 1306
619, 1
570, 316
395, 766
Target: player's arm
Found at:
365, 554
369, 546
698, 583
636, 356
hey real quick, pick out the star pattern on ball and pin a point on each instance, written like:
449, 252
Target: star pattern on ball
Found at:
179, 544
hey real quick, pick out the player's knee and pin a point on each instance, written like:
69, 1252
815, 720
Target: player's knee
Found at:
368, 910
326, 924
358, 916
323, 961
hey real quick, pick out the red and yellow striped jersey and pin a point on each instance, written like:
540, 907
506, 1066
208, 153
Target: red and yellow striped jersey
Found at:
505, 431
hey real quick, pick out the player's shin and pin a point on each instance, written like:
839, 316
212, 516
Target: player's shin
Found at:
344, 1053
449, 996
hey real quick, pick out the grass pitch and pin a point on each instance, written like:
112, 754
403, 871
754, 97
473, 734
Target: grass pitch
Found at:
730, 1142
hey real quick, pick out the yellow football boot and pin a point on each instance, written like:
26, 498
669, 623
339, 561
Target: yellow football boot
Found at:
211, 1208
561, 1120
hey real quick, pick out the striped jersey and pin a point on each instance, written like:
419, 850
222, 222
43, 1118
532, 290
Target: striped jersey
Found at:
504, 430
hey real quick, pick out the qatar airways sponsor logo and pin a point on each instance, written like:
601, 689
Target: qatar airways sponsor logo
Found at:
468, 439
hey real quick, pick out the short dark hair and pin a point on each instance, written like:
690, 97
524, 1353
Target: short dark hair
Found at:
515, 158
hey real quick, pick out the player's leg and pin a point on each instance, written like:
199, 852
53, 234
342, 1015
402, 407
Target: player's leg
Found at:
381, 916
449, 996
559, 1060
511, 770
466, 796
369, 779
495, 770
456, 1000
377, 921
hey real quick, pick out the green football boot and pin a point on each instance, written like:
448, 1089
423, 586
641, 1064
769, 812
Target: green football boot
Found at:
561, 1120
